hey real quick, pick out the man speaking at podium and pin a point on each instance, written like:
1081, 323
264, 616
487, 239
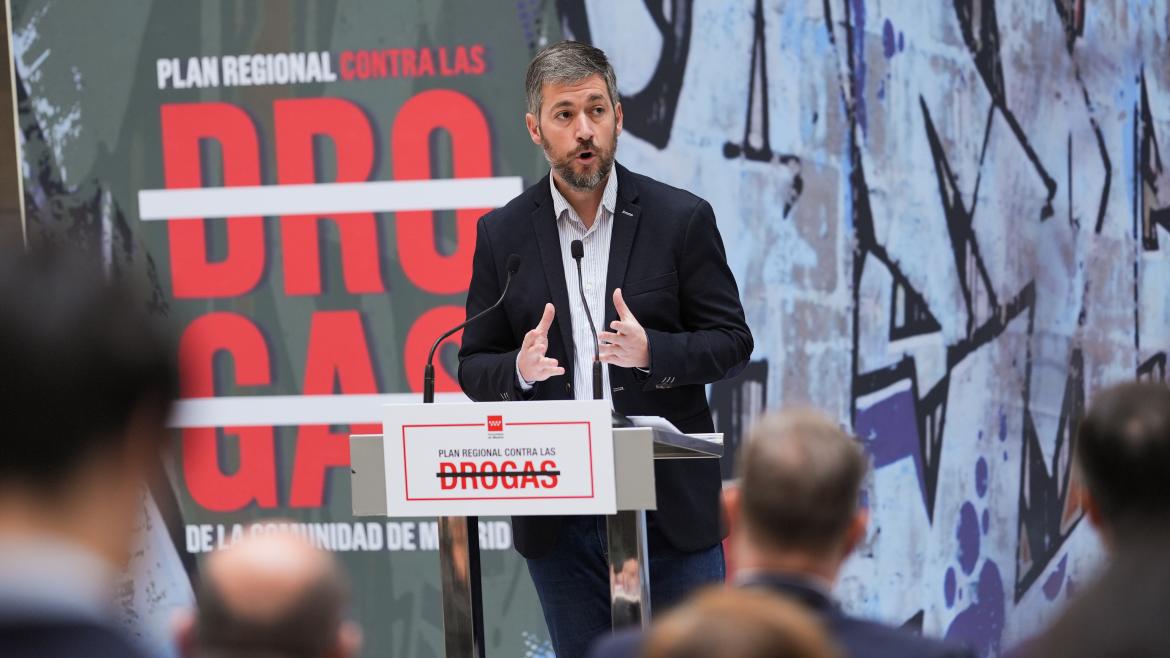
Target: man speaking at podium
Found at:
655, 277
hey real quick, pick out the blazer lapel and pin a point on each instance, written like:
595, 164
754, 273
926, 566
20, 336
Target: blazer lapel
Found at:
544, 224
621, 242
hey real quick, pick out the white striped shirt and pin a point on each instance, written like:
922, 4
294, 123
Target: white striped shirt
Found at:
594, 268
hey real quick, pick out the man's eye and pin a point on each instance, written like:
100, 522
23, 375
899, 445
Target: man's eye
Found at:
562, 115
599, 110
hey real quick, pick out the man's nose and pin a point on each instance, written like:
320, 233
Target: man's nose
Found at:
584, 128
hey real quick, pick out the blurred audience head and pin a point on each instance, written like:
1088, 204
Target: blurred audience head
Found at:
86, 385
797, 503
272, 595
1123, 452
738, 623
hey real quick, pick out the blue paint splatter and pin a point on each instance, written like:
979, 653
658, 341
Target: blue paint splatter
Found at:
981, 477
1052, 584
981, 625
1002, 426
949, 587
968, 536
901, 42
986, 521
889, 428
889, 47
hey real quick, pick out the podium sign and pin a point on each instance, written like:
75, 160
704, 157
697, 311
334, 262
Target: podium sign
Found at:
499, 458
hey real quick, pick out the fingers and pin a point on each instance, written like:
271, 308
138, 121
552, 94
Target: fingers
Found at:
615, 354
535, 366
550, 367
546, 319
623, 311
546, 368
540, 332
610, 337
536, 350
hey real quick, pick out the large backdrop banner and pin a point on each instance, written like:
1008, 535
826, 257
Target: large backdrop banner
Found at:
949, 221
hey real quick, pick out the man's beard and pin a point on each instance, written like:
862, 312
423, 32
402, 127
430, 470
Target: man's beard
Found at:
583, 182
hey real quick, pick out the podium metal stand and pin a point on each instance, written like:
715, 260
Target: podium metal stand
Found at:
634, 452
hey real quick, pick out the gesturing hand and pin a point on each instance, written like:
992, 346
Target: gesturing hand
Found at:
626, 346
534, 366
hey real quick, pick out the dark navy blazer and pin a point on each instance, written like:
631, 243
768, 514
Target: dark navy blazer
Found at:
47, 638
668, 258
858, 638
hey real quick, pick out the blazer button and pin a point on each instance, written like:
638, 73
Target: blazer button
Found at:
569, 387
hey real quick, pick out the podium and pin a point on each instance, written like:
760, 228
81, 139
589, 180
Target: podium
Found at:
460, 461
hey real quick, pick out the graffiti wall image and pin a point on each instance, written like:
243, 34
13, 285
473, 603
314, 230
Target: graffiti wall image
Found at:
949, 221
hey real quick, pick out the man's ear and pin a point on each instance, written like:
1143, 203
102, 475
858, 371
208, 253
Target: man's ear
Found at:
1092, 510
533, 126
617, 113
349, 640
731, 505
855, 534
183, 630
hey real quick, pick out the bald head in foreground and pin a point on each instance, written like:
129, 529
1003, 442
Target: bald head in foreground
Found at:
273, 595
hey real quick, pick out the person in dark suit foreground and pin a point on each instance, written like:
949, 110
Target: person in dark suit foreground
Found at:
797, 516
86, 385
657, 285
273, 594
1123, 613
1123, 454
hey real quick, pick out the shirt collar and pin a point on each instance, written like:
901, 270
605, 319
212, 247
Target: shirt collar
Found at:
608, 195
815, 585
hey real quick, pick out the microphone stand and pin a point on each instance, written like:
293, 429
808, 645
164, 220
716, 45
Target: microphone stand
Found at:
625, 531
619, 420
459, 560
429, 371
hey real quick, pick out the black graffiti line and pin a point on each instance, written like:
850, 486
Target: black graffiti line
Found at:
964, 244
759, 61
1154, 368
1073, 18
985, 50
1105, 161
1041, 512
982, 157
994, 326
1138, 160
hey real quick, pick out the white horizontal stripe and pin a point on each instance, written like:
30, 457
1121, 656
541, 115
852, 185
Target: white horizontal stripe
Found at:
252, 410
327, 198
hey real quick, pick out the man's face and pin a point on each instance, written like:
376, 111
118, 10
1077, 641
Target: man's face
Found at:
578, 129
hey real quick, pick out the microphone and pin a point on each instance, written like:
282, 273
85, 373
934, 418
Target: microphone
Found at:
512, 265
578, 251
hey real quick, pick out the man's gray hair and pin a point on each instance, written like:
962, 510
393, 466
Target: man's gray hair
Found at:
800, 481
563, 63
